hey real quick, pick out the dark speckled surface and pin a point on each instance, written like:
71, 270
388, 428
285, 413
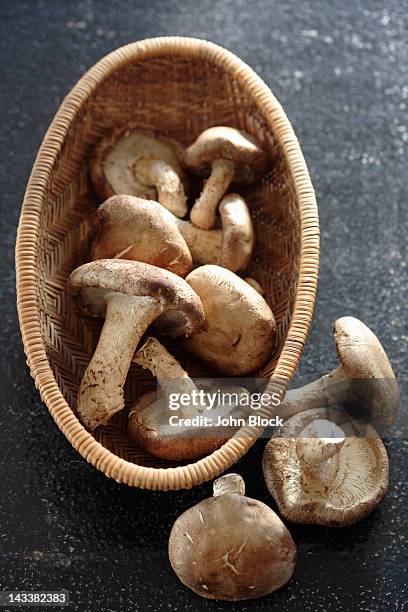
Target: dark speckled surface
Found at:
340, 71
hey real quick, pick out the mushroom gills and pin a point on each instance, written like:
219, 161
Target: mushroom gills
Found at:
132, 162
333, 481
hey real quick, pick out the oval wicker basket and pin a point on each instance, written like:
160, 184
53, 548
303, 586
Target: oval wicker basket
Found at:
179, 86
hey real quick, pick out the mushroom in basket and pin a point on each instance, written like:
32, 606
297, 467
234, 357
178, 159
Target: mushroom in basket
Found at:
322, 468
196, 430
131, 296
134, 228
148, 165
127, 227
240, 327
228, 156
231, 547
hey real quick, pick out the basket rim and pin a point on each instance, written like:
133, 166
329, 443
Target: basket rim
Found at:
171, 478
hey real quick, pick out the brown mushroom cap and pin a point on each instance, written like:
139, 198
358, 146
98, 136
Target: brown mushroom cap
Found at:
93, 281
365, 362
221, 142
133, 228
240, 327
359, 484
231, 547
113, 159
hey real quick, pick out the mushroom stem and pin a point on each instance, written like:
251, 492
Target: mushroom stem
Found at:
205, 246
229, 483
169, 187
204, 210
230, 247
364, 379
238, 233
171, 377
101, 391
329, 390
318, 449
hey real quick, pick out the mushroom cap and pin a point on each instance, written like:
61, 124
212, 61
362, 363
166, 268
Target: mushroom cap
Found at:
142, 230
240, 327
222, 142
182, 310
149, 428
359, 486
367, 365
231, 547
112, 161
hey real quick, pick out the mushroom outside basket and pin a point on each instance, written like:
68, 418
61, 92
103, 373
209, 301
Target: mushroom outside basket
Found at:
178, 86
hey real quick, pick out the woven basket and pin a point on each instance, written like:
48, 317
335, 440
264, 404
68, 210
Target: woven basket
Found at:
179, 86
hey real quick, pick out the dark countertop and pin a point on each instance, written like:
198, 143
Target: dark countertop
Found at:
339, 69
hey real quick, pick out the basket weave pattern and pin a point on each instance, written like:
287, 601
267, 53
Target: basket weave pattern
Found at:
178, 86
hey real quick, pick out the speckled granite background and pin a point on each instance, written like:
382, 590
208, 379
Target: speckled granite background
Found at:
340, 71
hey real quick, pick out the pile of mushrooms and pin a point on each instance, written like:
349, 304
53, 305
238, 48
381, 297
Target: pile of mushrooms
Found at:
156, 269
325, 466
152, 270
